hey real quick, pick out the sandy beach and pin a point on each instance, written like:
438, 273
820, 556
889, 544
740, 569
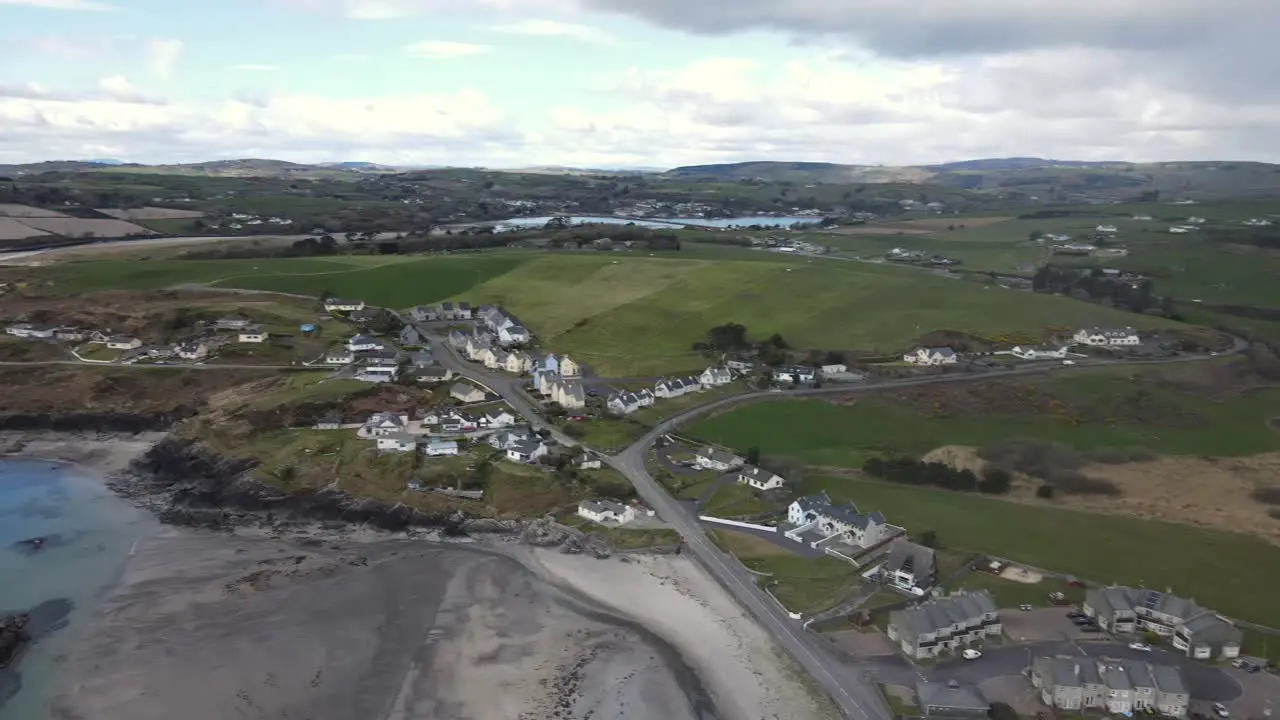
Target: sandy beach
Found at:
103, 454
748, 676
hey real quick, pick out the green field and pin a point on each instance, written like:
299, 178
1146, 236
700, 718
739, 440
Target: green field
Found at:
823, 433
1221, 570
633, 316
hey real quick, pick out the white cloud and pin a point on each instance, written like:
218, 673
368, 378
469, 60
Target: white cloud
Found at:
41, 124
444, 49
256, 68
552, 28
84, 5
163, 56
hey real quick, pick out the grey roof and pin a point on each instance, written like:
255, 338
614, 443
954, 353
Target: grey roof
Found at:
934, 615
433, 371
1209, 628
908, 557
1115, 677
340, 301
944, 697
401, 437
363, 340
439, 444
943, 351
718, 455
463, 388
1068, 671
1111, 600
600, 506
1168, 679
1139, 673
525, 446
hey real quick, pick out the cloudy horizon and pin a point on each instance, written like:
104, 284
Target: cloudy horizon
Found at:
638, 83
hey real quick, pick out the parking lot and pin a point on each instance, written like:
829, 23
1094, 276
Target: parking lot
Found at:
1043, 625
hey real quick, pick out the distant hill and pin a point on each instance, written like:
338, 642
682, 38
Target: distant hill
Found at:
361, 166
107, 161
1020, 163
799, 172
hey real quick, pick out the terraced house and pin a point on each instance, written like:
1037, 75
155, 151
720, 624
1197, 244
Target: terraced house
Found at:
945, 624
1198, 632
1119, 687
819, 522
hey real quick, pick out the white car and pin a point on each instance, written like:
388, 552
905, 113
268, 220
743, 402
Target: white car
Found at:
1221, 710
1140, 647
971, 654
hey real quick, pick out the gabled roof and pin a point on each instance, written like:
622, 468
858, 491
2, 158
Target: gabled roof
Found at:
363, 339
464, 388
603, 506
717, 455
944, 697
908, 557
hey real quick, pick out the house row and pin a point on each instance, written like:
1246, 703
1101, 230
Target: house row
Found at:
518, 362
454, 311
816, 515
519, 445
1191, 629
944, 624
669, 388
1037, 352
627, 402
504, 326
1118, 687
49, 332
1111, 337
404, 442
567, 392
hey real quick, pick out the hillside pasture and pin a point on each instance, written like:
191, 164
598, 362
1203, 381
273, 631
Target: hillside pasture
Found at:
12, 229
26, 211
152, 213
76, 227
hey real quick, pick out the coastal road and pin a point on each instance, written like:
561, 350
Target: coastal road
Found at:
856, 696
157, 366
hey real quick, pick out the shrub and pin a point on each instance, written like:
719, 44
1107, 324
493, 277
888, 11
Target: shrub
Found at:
995, 481
1274, 513
1267, 495
1045, 492
1031, 457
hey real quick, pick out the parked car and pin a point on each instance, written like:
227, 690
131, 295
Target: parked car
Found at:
1024, 607
1140, 647
1076, 614
1090, 629
971, 654
1082, 621
1240, 663
1221, 710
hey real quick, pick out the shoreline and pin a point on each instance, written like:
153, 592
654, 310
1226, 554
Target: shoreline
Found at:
649, 628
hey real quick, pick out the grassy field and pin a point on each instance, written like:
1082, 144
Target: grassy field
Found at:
1218, 569
823, 433
734, 501
802, 585
597, 308
80, 277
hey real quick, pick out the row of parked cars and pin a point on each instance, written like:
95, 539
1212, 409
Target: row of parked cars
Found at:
1083, 622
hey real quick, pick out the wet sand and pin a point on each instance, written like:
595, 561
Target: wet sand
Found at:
229, 627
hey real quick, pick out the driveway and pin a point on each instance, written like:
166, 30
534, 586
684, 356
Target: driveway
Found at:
1042, 625
776, 538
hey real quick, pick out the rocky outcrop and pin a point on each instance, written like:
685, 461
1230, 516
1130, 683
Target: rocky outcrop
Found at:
187, 484
13, 637
94, 422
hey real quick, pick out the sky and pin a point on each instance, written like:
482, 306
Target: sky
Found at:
638, 83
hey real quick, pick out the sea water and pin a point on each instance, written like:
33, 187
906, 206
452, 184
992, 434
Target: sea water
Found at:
89, 534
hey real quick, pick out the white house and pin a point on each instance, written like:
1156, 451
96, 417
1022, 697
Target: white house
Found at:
457, 422
252, 335
440, 448
586, 461
603, 511
1106, 229
710, 458
339, 356
1193, 220
69, 334
507, 439
387, 367
518, 362
466, 393
493, 358
513, 335
232, 322
797, 374
193, 351
1179, 229
835, 369
715, 376
1032, 352
1107, 336
364, 343
27, 330
1257, 222
817, 514
497, 419
123, 342
340, 305
568, 393
397, 442
931, 356
759, 478
384, 423
910, 567
676, 387
569, 368
625, 403
526, 450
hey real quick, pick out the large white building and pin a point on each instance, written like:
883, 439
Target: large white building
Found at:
1111, 337
606, 511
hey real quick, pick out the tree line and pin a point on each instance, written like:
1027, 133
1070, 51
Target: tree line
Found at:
909, 471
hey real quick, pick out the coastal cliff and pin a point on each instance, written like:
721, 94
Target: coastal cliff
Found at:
187, 484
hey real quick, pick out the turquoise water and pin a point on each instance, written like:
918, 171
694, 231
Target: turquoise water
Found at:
90, 534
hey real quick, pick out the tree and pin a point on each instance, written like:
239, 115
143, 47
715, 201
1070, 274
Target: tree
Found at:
929, 539
1035, 235
1167, 307
1045, 492
1002, 711
776, 341
753, 455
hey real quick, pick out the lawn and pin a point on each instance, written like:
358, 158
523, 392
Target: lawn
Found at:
399, 283
1012, 594
81, 277
803, 585
1221, 570
734, 501
631, 316
606, 433
307, 386
823, 433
